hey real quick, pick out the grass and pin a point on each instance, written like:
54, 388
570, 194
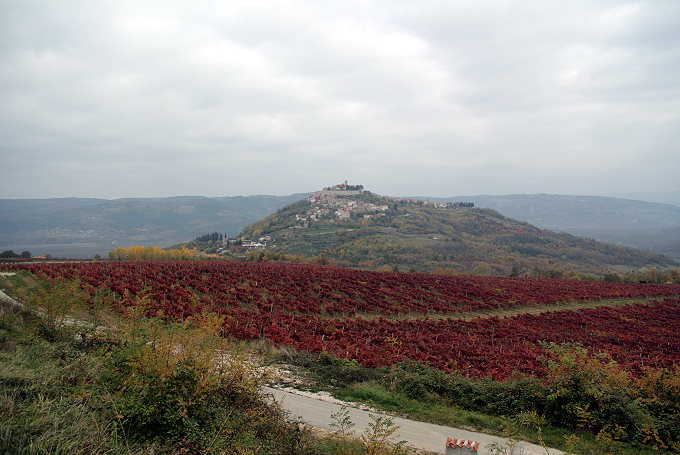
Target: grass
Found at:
150, 387
386, 389
56, 393
47, 395
504, 312
378, 396
428, 410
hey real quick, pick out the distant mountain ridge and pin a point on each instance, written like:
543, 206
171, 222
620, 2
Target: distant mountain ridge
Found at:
81, 228
647, 226
663, 197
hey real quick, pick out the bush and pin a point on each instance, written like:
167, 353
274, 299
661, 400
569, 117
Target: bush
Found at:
152, 387
517, 394
416, 380
332, 370
169, 385
592, 392
56, 303
581, 391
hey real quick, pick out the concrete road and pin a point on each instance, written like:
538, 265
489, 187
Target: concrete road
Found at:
416, 434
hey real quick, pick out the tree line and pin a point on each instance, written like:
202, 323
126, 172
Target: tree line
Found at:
211, 237
10, 254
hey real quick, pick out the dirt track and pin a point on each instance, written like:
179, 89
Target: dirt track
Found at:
420, 435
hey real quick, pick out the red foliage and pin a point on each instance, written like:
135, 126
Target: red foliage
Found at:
291, 304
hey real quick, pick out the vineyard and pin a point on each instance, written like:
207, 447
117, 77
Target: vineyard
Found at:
383, 318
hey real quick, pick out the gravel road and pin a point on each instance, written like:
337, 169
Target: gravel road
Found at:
416, 434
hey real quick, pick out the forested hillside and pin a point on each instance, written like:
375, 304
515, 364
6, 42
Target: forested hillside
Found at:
422, 236
649, 226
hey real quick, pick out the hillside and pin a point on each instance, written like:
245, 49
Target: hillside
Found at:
81, 228
78, 227
373, 231
663, 197
647, 226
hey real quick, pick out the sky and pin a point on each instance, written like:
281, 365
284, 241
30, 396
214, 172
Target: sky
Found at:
124, 98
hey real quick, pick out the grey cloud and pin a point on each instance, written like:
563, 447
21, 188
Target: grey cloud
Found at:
115, 99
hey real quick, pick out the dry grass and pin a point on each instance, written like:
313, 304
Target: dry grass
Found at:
507, 312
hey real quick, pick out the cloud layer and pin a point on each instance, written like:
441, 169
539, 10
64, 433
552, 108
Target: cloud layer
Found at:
117, 99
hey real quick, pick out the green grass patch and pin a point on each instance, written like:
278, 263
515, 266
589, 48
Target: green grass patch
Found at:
20, 281
423, 410
48, 395
585, 406
430, 411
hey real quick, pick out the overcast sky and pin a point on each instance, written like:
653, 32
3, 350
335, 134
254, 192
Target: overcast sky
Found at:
218, 98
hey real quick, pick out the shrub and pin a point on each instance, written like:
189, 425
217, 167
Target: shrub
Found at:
333, 370
416, 380
169, 382
591, 391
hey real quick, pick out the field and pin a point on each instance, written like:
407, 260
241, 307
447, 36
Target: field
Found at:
381, 318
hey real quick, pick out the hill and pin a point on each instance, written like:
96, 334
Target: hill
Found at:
81, 228
647, 226
664, 197
366, 230
78, 227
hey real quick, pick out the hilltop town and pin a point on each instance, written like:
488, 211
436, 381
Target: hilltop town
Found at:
343, 202
337, 204
333, 203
